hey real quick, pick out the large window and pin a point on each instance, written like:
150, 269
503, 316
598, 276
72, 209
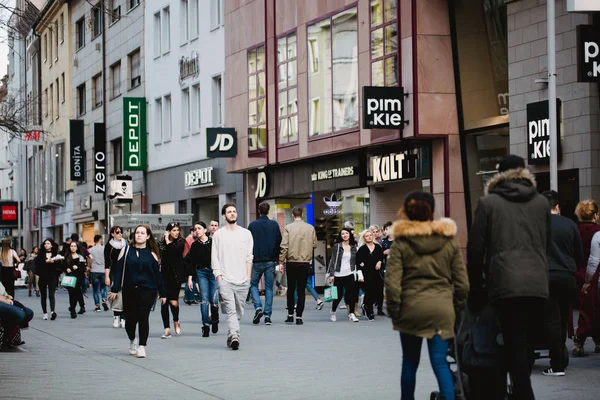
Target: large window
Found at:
217, 99
97, 14
216, 13
384, 42
97, 90
157, 35
81, 99
185, 112
184, 21
166, 29
196, 108
115, 77
287, 87
158, 120
80, 33
135, 69
167, 119
257, 100
333, 74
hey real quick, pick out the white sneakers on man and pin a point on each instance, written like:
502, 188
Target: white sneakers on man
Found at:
115, 322
133, 347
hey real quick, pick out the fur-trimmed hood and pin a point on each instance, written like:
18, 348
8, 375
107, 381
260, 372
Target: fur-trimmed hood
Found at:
425, 237
514, 185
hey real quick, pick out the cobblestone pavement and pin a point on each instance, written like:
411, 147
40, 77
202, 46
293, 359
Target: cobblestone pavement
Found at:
87, 358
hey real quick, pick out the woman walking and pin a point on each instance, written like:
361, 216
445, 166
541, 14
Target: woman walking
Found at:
9, 259
341, 270
111, 254
138, 275
47, 268
369, 258
426, 279
32, 278
172, 247
198, 261
75, 266
587, 213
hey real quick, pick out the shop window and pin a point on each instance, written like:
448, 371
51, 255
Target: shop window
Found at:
482, 45
384, 43
287, 87
257, 100
333, 78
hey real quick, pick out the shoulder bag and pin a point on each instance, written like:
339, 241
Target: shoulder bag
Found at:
117, 303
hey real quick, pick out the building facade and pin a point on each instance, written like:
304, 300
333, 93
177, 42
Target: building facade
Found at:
185, 63
343, 107
108, 66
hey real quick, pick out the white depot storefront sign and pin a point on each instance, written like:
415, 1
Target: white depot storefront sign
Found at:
199, 178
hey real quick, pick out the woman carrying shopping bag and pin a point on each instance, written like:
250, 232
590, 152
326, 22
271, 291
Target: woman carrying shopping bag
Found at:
341, 272
425, 279
74, 265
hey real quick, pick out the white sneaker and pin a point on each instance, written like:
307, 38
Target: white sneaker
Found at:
361, 300
133, 347
122, 323
141, 352
352, 317
115, 322
332, 316
45, 317
342, 307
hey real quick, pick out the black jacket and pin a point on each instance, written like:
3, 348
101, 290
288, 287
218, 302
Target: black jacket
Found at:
171, 259
267, 239
566, 249
198, 257
509, 239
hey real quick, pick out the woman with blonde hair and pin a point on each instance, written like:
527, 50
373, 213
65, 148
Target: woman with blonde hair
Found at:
426, 279
369, 259
9, 259
138, 275
587, 213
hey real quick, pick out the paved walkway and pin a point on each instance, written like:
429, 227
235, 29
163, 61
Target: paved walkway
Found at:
87, 358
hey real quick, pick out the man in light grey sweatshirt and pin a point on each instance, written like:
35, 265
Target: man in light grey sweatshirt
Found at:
232, 265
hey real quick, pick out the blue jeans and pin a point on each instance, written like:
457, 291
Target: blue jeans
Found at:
98, 286
12, 316
209, 294
311, 290
258, 269
411, 354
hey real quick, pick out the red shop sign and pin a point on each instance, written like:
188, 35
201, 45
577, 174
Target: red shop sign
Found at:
9, 213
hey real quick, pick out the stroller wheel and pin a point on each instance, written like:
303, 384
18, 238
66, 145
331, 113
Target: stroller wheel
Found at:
435, 396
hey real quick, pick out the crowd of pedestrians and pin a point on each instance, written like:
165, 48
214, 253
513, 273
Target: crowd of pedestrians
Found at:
527, 268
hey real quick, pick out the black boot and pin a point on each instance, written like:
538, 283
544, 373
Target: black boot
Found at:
205, 331
81, 310
73, 313
214, 318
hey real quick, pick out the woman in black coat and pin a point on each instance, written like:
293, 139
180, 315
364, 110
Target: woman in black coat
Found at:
172, 248
111, 255
369, 259
48, 265
75, 266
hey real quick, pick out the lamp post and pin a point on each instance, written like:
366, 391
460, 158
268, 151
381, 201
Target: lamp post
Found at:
552, 117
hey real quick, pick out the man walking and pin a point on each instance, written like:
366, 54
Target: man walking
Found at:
299, 239
508, 244
267, 239
564, 254
98, 271
232, 264
213, 226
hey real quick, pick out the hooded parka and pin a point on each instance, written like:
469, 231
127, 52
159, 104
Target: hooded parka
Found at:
425, 278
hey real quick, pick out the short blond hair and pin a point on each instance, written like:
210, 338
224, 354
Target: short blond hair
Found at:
586, 210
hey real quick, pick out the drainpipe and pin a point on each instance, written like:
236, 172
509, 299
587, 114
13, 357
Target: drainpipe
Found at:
104, 101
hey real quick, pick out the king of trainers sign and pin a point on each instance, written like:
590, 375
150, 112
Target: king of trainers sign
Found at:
383, 107
588, 53
538, 132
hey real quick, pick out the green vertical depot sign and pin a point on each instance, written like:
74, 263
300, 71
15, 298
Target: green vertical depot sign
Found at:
134, 134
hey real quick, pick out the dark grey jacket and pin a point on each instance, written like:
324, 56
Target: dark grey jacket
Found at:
510, 238
335, 262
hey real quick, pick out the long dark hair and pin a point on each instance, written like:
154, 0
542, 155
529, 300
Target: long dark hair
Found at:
69, 258
151, 242
352, 241
53, 249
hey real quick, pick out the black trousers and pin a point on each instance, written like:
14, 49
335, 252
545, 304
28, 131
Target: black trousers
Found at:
47, 288
8, 280
349, 284
137, 304
297, 276
518, 318
562, 296
373, 287
76, 295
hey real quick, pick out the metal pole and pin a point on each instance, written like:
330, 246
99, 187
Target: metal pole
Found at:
21, 179
553, 121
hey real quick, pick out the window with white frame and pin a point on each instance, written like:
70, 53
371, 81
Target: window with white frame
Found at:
185, 112
115, 78
132, 4
166, 29
257, 99
196, 108
57, 98
135, 69
217, 95
97, 90
184, 20
157, 35
167, 118
216, 13
97, 20
115, 9
158, 120
287, 88
80, 33
194, 19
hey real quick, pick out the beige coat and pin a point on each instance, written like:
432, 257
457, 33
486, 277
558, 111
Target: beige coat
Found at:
425, 278
299, 239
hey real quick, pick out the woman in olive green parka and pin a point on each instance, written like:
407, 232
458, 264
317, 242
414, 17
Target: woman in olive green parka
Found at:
425, 279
